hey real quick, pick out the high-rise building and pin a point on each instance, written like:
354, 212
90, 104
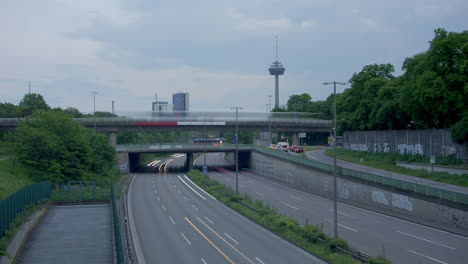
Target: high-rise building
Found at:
180, 101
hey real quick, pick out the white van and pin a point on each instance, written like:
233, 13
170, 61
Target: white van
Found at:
283, 146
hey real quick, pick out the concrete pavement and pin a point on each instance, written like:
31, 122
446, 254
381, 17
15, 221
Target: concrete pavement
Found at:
372, 233
177, 223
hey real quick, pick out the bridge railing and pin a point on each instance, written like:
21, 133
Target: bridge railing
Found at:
176, 146
389, 181
14, 204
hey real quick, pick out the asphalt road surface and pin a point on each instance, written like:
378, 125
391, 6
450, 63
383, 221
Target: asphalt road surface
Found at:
372, 233
176, 222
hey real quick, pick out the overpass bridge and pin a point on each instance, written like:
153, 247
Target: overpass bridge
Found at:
128, 155
187, 121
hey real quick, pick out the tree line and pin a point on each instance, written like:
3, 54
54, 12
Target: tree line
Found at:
431, 93
56, 147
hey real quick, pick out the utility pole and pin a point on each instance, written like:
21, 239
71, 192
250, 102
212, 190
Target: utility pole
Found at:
29, 87
204, 143
335, 181
237, 147
94, 100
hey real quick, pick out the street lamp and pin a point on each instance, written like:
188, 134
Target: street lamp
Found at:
237, 147
204, 145
335, 181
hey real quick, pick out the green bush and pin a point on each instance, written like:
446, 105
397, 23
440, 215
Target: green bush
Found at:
379, 260
333, 243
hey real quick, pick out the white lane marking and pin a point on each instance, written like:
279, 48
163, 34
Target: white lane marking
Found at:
186, 239
154, 187
158, 198
242, 186
294, 197
310, 156
175, 186
226, 234
259, 260
156, 192
172, 220
163, 207
190, 187
460, 236
259, 194
204, 262
179, 191
196, 209
340, 213
209, 220
414, 252
185, 198
268, 188
343, 226
199, 187
288, 205
424, 239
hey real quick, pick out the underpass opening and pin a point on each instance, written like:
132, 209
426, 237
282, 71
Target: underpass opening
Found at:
157, 162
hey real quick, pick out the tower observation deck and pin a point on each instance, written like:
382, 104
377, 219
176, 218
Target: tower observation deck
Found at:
276, 69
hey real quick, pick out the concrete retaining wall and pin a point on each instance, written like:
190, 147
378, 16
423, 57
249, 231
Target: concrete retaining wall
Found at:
436, 141
407, 205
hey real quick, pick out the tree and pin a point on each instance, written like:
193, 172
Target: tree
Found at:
299, 103
8, 110
460, 130
62, 148
32, 102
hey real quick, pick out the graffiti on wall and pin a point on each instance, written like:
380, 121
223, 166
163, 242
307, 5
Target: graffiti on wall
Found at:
343, 191
379, 197
410, 149
359, 147
448, 150
402, 201
382, 147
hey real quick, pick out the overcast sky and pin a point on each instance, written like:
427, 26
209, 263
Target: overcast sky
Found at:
218, 51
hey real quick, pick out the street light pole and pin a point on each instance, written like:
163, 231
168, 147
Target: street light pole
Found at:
113, 108
94, 101
335, 181
204, 143
237, 147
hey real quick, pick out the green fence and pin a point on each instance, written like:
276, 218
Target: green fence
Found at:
116, 223
14, 204
389, 181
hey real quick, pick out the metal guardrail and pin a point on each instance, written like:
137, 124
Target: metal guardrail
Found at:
116, 224
14, 204
394, 183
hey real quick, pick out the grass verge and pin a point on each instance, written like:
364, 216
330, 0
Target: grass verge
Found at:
309, 237
308, 148
386, 161
13, 176
19, 220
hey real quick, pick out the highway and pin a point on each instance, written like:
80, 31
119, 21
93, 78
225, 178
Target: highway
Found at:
370, 232
175, 222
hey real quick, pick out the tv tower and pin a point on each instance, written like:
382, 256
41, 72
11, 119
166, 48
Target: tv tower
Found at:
276, 69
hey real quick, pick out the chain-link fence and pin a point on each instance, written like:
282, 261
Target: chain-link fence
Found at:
14, 204
395, 183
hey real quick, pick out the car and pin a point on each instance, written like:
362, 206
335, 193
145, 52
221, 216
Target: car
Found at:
283, 146
292, 148
299, 149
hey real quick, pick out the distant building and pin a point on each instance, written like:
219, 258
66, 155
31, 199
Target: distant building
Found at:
162, 107
180, 101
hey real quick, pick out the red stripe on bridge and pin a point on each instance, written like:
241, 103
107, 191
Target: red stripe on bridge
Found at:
156, 123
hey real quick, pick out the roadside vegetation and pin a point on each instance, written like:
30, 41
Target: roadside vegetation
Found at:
386, 161
309, 237
432, 92
13, 176
309, 148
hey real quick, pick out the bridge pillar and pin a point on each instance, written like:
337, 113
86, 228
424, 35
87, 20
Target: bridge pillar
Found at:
189, 162
113, 138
